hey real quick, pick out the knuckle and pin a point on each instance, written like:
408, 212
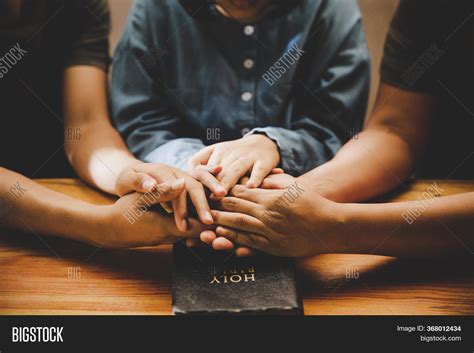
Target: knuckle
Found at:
136, 180
238, 191
195, 185
236, 168
254, 240
202, 167
196, 173
232, 234
161, 191
257, 240
272, 216
239, 220
229, 204
284, 243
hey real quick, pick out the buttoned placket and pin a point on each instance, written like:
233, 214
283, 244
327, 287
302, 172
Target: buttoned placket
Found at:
248, 79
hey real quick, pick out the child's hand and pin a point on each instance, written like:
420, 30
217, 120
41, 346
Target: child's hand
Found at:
256, 155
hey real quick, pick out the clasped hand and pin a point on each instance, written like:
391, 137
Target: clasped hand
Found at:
247, 216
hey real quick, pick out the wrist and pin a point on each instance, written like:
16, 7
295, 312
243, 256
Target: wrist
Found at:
320, 184
97, 221
267, 141
337, 227
331, 225
350, 234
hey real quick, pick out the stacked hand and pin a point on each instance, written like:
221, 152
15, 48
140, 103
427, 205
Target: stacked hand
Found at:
247, 161
278, 180
129, 223
250, 161
278, 222
145, 177
254, 155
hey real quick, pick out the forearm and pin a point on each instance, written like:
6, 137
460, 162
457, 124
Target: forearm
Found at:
28, 206
437, 227
384, 154
372, 164
94, 148
98, 154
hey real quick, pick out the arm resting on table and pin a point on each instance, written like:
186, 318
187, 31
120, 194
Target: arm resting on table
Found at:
425, 228
26, 205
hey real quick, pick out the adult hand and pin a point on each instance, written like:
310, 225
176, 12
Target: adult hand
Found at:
145, 177
254, 154
278, 181
129, 222
280, 222
210, 238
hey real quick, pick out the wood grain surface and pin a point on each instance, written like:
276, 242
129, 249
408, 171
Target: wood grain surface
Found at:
44, 275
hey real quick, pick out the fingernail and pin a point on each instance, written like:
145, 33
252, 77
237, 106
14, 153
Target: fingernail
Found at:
184, 225
208, 216
177, 184
217, 169
148, 184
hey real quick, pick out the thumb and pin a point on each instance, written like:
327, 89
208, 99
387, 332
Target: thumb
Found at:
201, 157
163, 193
277, 171
135, 181
169, 191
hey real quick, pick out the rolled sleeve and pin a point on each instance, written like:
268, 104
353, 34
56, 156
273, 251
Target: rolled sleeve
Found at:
298, 150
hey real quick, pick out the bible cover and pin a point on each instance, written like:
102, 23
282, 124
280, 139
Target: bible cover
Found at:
210, 282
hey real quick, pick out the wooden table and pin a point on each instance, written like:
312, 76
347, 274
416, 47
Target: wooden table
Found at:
45, 275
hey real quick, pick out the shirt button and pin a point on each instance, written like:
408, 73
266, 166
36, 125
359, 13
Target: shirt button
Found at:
249, 30
247, 96
249, 63
245, 131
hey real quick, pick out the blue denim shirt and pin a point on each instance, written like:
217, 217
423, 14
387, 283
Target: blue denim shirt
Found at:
184, 76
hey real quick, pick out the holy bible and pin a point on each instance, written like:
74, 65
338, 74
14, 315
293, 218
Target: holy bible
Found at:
210, 282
